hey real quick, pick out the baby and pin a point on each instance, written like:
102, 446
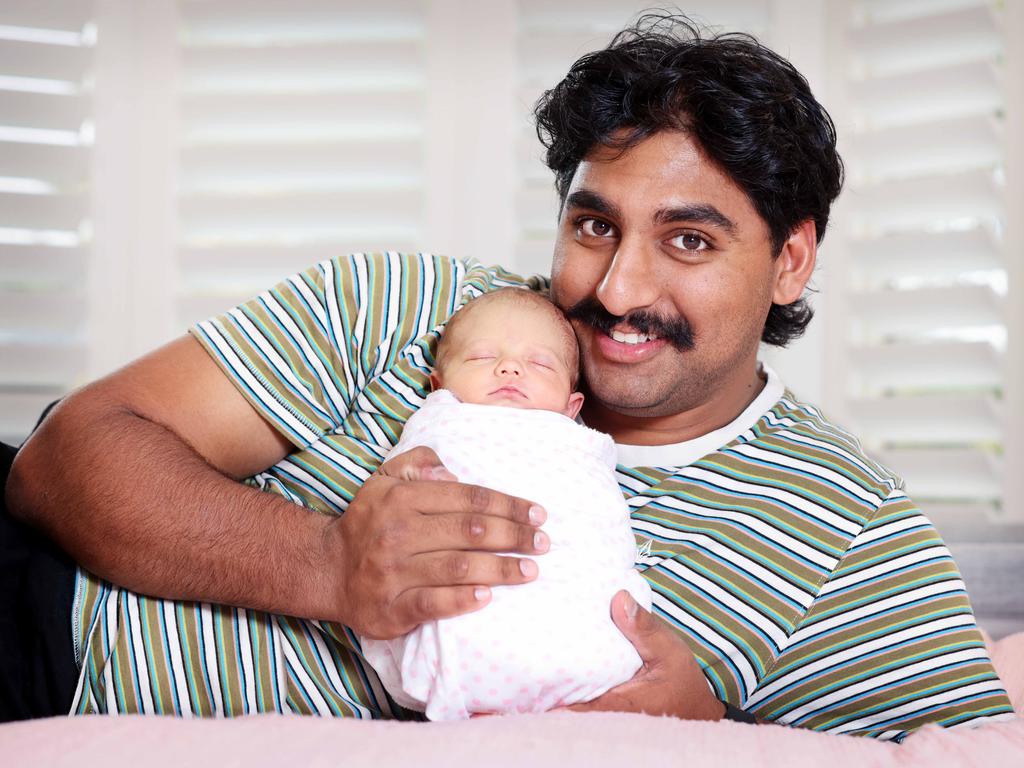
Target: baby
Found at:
502, 416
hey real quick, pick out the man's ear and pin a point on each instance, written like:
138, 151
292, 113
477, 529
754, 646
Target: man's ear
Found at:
795, 263
572, 408
435, 381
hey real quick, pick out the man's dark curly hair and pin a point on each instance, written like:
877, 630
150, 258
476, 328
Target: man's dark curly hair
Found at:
747, 107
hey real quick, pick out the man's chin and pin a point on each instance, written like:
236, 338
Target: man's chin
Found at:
637, 400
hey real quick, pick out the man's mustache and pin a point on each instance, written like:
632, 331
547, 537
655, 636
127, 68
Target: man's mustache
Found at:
675, 331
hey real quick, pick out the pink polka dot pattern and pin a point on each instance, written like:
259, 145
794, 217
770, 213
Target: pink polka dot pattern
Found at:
539, 645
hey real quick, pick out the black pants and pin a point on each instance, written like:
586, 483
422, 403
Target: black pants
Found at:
37, 580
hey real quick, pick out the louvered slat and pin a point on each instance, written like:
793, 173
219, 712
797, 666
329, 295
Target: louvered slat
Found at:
301, 139
928, 279
45, 57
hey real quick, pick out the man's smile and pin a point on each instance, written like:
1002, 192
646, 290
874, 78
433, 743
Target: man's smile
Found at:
640, 330
627, 347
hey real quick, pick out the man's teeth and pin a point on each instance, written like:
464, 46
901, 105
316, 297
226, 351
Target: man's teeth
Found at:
631, 338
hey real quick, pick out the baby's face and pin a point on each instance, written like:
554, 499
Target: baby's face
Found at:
512, 355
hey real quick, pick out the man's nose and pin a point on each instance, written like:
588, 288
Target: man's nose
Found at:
629, 282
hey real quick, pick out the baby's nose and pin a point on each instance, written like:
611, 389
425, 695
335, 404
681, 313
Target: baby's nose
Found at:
509, 366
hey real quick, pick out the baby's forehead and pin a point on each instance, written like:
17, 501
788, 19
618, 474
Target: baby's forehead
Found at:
503, 305
545, 324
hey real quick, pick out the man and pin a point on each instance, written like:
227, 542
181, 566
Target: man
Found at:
792, 577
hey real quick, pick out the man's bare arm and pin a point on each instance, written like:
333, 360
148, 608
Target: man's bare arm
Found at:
136, 477
132, 476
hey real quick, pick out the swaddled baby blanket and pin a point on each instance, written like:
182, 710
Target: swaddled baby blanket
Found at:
539, 645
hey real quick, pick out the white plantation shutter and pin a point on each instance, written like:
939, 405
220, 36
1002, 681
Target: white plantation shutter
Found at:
301, 138
46, 52
926, 278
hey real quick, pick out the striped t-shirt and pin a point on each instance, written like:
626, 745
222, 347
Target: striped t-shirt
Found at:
809, 587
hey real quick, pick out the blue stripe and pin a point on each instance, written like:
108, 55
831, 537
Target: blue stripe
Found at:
239, 381
166, 639
721, 657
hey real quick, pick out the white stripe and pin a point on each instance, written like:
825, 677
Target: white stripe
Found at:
429, 298
174, 640
329, 452
892, 677
359, 327
778, 537
241, 620
142, 668
212, 668
815, 511
302, 679
299, 335
393, 315
110, 609
849, 452
724, 648
273, 358
364, 406
876, 607
825, 473
337, 325
755, 569
316, 306
332, 670
277, 665
403, 390
878, 571
745, 610
835, 658
216, 335
816, 422
889, 529
286, 467
635, 486
909, 708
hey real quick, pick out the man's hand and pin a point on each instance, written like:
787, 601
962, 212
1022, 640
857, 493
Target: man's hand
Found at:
669, 682
415, 545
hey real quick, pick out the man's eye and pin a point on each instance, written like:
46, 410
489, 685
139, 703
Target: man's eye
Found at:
689, 241
589, 227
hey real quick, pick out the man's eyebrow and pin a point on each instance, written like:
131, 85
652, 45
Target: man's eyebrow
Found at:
584, 198
698, 213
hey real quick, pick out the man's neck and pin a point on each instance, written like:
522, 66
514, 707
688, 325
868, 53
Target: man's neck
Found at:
728, 403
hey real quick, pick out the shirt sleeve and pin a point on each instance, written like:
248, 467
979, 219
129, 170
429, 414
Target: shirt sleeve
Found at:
289, 350
889, 644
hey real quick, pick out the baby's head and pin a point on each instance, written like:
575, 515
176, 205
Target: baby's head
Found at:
510, 347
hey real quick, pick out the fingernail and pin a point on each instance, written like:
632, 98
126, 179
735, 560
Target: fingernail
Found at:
631, 606
528, 568
537, 515
481, 594
540, 541
440, 473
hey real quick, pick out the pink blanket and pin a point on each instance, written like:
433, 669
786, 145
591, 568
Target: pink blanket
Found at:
553, 739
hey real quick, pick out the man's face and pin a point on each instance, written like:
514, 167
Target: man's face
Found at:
671, 268
510, 354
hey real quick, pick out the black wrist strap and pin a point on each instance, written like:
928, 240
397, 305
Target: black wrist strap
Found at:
738, 715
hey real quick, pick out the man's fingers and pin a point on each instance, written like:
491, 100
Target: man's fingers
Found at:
420, 463
640, 627
452, 568
612, 701
478, 533
422, 604
440, 498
